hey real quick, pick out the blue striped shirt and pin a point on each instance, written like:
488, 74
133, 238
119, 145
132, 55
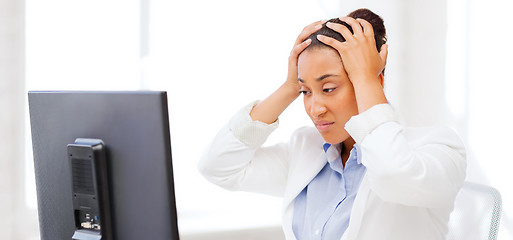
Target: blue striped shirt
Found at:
322, 210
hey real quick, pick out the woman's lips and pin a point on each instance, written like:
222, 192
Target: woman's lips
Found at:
323, 125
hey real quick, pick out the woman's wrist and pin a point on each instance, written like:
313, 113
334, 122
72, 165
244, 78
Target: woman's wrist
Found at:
364, 80
290, 89
369, 92
270, 109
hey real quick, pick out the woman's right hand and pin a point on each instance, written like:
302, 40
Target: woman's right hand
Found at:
301, 44
268, 110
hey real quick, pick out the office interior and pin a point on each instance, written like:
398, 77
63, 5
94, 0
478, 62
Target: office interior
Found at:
448, 64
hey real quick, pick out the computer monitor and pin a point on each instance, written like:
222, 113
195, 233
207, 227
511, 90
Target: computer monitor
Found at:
134, 129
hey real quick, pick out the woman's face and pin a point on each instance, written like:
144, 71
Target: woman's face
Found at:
329, 96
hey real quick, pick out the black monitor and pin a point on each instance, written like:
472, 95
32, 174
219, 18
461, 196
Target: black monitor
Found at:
128, 136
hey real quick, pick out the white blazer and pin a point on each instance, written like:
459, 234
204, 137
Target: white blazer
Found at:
408, 191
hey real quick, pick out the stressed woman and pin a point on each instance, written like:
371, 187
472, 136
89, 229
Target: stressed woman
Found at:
359, 174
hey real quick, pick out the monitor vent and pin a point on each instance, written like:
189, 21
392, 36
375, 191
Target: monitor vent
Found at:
82, 176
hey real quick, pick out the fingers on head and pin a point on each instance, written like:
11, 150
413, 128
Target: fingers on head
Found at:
346, 33
312, 27
300, 47
309, 30
367, 27
355, 25
320, 22
331, 42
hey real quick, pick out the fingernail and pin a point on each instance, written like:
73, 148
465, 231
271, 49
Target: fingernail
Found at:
344, 19
308, 41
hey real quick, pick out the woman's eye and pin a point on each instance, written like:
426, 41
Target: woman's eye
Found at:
304, 92
328, 90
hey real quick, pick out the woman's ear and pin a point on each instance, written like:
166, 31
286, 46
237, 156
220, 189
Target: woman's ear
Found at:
381, 79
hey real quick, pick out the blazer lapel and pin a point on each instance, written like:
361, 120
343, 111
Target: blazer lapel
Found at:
305, 171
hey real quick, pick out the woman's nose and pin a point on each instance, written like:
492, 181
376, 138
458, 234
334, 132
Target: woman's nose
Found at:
317, 107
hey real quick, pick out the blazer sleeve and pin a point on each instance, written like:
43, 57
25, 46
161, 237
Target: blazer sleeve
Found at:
236, 160
424, 169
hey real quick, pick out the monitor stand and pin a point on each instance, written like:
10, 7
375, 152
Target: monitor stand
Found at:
90, 191
86, 235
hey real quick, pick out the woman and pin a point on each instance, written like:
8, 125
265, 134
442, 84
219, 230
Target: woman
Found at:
360, 174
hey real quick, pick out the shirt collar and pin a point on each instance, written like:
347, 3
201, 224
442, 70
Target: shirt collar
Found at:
333, 153
356, 153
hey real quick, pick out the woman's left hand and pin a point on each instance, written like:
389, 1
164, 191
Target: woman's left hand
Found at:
362, 61
359, 55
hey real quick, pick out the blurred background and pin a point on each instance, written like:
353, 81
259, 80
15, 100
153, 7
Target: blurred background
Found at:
449, 64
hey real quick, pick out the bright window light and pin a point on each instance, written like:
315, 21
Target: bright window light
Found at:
213, 57
479, 87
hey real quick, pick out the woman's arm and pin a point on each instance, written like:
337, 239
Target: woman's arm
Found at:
268, 110
362, 62
236, 159
424, 169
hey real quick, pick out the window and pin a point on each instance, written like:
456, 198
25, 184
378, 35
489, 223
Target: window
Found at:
212, 57
479, 83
